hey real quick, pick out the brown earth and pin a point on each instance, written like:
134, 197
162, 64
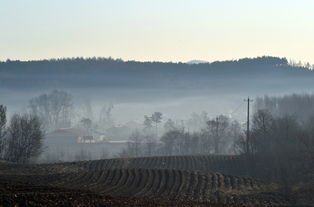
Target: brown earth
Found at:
135, 182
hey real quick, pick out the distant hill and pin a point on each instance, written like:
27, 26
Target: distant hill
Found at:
242, 74
197, 62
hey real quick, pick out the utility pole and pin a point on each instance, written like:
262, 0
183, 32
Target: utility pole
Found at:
248, 100
217, 135
214, 126
217, 126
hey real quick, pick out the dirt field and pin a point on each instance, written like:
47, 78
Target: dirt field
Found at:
155, 181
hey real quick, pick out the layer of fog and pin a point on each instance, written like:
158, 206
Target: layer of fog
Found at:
132, 105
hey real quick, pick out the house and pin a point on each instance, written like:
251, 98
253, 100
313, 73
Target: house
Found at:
86, 139
67, 144
65, 136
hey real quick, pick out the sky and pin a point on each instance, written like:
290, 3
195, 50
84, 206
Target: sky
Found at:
157, 30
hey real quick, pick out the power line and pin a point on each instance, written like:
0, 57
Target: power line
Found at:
235, 110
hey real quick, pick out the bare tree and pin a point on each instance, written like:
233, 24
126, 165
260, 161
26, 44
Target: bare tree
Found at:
87, 109
197, 121
141, 144
156, 118
149, 144
170, 139
217, 129
148, 124
170, 125
87, 125
105, 118
3, 121
24, 139
53, 109
135, 144
261, 129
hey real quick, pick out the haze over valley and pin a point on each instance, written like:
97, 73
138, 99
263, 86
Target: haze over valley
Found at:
162, 103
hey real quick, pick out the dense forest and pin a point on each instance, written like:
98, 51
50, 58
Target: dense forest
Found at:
244, 73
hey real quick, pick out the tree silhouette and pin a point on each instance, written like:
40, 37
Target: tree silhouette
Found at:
156, 118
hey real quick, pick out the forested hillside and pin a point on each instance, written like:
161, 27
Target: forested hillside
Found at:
116, 73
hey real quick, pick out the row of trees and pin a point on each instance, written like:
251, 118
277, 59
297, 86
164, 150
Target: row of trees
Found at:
21, 139
282, 138
217, 137
280, 148
300, 106
56, 110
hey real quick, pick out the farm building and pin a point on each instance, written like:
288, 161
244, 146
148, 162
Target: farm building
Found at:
68, 144
66, 135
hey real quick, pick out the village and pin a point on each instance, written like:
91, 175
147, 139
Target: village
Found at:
71, 144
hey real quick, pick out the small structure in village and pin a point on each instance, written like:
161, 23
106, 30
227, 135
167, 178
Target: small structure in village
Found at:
70, 142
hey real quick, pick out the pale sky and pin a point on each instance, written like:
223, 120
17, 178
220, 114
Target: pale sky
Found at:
157, 30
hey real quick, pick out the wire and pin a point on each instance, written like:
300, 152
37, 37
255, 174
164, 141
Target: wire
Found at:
237, 108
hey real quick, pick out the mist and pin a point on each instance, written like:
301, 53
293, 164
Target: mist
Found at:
115, 112
131, 90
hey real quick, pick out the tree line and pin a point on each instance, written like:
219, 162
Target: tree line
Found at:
216, 137
281, 145
109, 72
280, 148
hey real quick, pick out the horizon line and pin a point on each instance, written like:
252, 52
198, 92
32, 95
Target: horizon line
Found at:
141, 61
